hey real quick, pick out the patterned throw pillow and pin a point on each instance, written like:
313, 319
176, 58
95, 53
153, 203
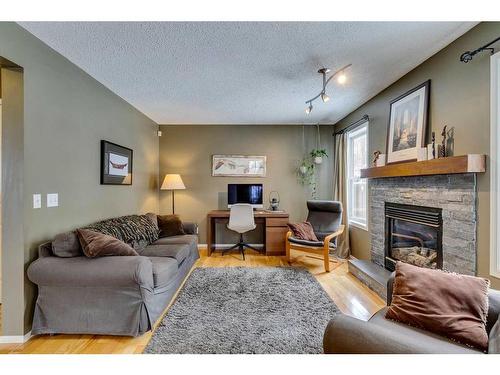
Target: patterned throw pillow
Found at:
135, 230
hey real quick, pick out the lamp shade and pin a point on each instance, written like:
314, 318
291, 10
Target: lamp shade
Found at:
172, 182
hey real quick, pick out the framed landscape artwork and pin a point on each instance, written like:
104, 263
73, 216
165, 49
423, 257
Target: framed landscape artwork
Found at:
408, 124
116, 164
238, 166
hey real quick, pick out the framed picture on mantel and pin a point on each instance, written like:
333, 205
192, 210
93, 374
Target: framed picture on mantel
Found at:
116, 164
408, 124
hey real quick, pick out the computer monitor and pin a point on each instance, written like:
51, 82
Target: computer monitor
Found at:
245, 193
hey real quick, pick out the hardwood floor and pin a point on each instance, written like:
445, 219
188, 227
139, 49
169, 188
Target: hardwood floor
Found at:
351, 296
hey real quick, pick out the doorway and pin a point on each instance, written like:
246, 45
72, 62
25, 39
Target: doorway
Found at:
12, 323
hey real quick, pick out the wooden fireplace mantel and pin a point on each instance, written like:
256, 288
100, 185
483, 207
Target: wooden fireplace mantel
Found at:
471, 163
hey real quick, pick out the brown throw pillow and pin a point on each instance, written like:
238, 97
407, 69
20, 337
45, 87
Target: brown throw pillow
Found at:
448, 304
97, 244
170, 225
303, 231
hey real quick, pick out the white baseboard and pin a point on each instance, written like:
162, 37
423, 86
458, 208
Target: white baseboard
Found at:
15, 339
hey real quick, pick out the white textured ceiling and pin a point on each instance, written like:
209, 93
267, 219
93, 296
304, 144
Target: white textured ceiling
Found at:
244, 72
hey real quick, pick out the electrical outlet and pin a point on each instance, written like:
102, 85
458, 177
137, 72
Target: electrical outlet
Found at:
53, 200
37, 200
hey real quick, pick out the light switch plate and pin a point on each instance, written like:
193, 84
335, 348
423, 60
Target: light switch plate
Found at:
53, 200
37, 200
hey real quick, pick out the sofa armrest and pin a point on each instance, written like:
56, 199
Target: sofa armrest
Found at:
347, 335
190, 227
113, 271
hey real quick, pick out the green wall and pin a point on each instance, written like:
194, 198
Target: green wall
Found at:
460, 98
188, 150
66, 114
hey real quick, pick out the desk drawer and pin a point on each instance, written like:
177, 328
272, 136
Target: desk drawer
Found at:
275, 240
276, 221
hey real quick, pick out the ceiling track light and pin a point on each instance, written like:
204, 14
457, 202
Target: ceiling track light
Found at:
341, 79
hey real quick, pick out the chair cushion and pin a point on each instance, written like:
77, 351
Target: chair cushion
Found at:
298, 241
177, 251
164, 271
447, 304
303, 231
324, 216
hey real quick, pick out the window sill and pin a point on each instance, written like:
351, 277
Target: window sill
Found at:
358, 225
495, 274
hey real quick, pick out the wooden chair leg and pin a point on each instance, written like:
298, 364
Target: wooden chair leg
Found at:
326, 258
287, 247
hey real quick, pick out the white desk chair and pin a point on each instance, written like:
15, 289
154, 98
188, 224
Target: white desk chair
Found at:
241, 220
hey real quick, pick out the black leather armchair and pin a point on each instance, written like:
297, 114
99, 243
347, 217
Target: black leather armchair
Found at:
326, 220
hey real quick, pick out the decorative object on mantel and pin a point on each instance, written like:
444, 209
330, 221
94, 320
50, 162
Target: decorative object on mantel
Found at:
471, 163
442, 147
434, 145
408, 124
116, 164
422, 154
376, 155
238, 166
381, 160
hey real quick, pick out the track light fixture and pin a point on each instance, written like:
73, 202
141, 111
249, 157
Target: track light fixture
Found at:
341, 79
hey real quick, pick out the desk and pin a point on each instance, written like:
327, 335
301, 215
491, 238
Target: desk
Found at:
275, 229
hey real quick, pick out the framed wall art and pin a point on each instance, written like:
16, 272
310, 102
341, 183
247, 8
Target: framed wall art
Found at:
116, 164
238, 166
408, 124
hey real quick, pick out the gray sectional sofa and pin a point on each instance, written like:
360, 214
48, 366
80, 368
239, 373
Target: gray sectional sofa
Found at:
114, 295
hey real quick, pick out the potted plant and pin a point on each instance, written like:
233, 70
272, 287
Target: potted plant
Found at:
318, 154
306, 174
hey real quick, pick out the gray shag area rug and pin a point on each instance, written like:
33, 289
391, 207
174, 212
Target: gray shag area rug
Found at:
246, 310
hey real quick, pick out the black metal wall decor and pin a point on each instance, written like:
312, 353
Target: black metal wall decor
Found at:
468, 55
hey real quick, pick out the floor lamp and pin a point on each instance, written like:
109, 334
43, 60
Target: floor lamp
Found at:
172, 182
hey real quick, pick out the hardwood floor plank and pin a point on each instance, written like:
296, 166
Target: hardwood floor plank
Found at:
350, 295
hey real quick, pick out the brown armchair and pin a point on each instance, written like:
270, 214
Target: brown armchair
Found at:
325, 218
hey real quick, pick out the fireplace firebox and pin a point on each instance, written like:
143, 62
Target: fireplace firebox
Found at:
413, 234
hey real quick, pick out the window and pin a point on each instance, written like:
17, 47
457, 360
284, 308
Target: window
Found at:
495, 167
357, 159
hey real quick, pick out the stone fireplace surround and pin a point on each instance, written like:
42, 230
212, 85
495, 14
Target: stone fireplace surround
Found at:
455, 194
